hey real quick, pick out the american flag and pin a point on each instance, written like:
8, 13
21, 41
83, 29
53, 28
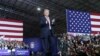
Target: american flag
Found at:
11, 29
80, 22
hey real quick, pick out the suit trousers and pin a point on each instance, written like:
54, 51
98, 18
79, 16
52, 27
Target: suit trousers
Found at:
49, 44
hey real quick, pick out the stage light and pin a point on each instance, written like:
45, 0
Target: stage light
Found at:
38, 9
32, 44
13, 50
9, 50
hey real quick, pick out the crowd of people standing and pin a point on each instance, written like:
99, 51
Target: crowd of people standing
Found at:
83, 45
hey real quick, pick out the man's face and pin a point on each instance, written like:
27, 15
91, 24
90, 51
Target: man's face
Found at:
46, 12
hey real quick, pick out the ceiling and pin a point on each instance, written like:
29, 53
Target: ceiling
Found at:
26, 10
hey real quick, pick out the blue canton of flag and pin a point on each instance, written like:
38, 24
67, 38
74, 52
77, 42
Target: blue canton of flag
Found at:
78, 21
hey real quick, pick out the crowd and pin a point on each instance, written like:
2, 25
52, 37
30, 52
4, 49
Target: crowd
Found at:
12, 45
84, 45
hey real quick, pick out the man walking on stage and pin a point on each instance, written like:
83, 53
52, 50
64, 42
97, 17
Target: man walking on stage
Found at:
48, 39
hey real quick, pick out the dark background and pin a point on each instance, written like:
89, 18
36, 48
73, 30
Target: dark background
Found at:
26, 10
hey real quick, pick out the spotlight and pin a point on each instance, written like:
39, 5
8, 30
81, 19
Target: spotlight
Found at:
38, 9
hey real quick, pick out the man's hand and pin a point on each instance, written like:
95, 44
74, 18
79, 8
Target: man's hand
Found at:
53, 21
59, 53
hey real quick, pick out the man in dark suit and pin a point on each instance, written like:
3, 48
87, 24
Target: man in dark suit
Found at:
47, 35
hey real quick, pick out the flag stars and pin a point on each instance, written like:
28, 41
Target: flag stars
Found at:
74, 25
70, 25
84, 13
77, 16
79, 22
78, 30
80, 19
85, 31
73, 16
70, 11
73, 11
70, 21
78, 25
82, 30
74, 30
88, 22
88, 18
77, 12
85, 26
89, 27
70, 15
70, 30
76, 19
81, 26
84, 17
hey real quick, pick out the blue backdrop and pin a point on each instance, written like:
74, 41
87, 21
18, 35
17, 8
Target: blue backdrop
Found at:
38, 44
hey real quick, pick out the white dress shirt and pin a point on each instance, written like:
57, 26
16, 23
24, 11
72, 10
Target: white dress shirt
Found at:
48, 21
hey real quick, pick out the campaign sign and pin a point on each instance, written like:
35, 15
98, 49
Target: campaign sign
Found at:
5, 52
22, 52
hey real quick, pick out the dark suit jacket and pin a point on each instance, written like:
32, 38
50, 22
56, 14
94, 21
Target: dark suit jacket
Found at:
45, 27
